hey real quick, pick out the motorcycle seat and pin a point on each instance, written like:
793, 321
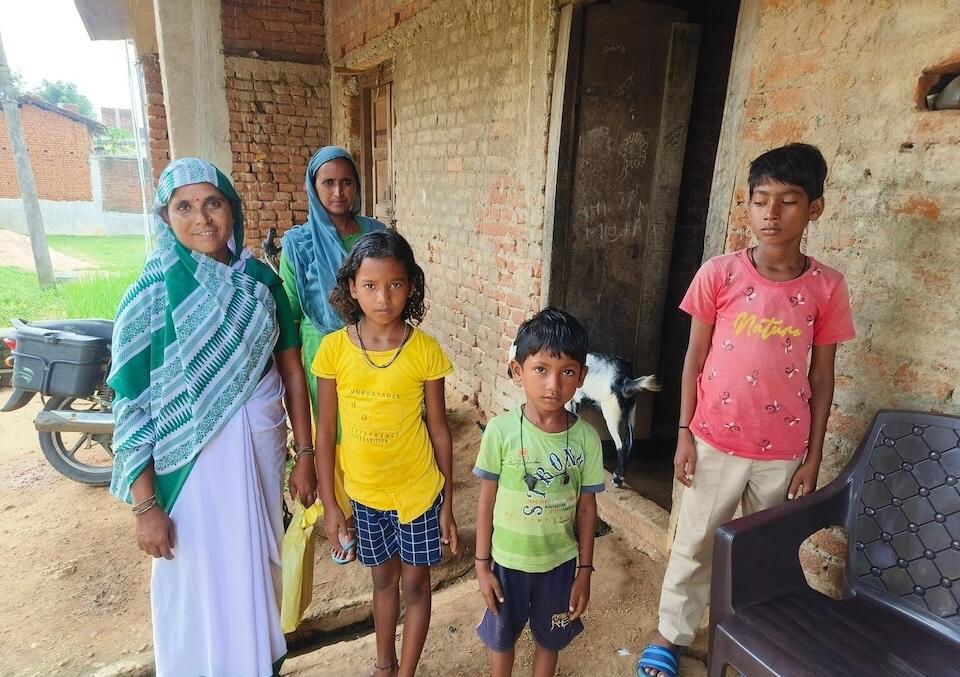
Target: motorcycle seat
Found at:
97, 328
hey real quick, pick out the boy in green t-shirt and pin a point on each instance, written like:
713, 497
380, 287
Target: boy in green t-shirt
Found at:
540, 467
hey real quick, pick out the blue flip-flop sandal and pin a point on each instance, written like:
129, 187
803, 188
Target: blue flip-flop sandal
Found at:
348, 546
659, 658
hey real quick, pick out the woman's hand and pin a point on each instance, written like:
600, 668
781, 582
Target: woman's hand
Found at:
448, 528
303, 481
154, 532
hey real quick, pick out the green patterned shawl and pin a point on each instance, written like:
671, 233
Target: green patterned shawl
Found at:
190, 343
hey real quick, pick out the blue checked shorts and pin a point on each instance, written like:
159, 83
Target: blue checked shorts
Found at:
380, 536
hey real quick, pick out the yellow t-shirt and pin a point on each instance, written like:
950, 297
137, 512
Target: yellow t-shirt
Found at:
388, 460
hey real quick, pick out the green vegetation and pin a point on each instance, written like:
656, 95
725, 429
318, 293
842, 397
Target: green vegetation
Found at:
60, 92
112, 253
119, 260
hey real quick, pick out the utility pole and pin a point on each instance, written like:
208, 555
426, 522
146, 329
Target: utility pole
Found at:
28, 189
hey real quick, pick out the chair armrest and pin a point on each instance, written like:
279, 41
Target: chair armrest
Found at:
756, 557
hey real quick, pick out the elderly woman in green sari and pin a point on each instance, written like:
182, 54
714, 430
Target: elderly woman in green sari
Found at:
312, 254
204, 351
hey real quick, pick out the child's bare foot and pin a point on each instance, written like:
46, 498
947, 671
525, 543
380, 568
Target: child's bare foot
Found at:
388, 670
658, 663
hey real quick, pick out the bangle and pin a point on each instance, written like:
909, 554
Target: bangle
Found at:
683, 427
586, 566
302, 452
144, 506
142, 503
483, 559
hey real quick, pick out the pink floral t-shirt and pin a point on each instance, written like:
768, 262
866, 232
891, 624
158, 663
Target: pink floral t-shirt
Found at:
753, 395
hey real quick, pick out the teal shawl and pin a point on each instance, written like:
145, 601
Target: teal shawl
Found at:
314, 248
191, 340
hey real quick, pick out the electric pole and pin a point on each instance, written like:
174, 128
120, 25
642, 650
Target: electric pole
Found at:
28, 188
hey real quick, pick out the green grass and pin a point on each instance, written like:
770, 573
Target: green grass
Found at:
97, 294
111, 253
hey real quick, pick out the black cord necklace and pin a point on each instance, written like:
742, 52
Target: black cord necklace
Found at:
531, 480
363, 349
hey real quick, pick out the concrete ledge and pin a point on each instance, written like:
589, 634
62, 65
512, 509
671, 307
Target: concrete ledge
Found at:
639, 521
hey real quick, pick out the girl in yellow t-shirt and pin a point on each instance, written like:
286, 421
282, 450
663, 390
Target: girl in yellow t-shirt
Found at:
385, 378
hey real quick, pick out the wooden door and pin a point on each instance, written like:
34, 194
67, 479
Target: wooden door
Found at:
381, 153
626, 109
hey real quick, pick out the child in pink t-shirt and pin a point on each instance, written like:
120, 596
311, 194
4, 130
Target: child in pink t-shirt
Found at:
757, 383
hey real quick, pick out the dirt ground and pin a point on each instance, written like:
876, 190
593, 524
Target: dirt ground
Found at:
74, 597
17, 253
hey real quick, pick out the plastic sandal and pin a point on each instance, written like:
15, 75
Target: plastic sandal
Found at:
349, 545
659, 658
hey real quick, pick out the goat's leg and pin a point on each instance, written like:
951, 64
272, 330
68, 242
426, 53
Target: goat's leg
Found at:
612, 416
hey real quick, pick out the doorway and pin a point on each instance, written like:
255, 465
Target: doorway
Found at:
641, 78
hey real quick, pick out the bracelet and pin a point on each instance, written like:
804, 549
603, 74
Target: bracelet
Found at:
142, 503
141, 508
586, 566
483, 559
302, 452
683, 427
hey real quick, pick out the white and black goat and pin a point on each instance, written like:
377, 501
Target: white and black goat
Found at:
611, 388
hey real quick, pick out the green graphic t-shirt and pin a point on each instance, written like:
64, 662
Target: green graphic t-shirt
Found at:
533, 526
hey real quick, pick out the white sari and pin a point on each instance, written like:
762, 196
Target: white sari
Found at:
216, 605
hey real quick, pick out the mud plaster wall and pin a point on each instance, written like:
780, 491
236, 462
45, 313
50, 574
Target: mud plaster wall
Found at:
842, 74
471, 92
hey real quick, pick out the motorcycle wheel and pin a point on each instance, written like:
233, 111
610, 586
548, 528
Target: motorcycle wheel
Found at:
81, 457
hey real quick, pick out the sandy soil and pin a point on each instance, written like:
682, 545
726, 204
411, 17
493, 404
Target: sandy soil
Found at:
16, 252
75, 588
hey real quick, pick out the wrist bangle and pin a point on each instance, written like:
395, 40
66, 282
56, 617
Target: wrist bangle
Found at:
586, 566
144, 506
683, 427
142, 503
483, 559
302, 452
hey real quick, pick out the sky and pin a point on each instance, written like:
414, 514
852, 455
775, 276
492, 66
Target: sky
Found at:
46, 39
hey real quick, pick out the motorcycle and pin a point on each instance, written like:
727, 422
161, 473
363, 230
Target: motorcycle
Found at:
66, 362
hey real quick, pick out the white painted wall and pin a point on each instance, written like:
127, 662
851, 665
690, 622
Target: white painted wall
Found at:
70, 218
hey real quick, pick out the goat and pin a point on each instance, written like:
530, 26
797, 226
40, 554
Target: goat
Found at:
611, 387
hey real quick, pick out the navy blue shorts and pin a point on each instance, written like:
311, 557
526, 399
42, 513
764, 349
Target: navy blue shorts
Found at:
543, 599
380, 536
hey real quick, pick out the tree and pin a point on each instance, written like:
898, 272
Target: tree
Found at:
116, 142
60, 92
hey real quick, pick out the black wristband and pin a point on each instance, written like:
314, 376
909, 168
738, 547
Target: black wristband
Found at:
586, 566
683, 427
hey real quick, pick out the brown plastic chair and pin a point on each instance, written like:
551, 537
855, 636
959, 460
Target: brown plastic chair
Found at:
899, 501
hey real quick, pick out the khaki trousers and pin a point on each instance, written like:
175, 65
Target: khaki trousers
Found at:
721, 482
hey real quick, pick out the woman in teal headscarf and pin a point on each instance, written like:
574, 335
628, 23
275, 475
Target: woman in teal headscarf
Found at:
204, 349
313, 253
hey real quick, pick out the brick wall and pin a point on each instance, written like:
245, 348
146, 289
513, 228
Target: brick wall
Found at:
121, 118
156, 115
279, 116
469, 163
281, 30
120, 185
843, 75
59, 150
357, 23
